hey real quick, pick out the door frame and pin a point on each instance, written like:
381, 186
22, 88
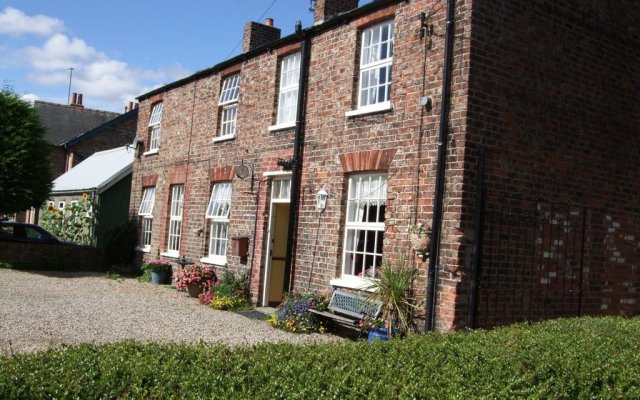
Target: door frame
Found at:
272, 176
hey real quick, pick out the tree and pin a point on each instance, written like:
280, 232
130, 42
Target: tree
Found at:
25, 175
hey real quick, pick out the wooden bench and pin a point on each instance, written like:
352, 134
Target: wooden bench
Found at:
348, 309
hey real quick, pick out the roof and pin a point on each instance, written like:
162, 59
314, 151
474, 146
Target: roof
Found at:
109, 124
62, 122
98, 172
294, 37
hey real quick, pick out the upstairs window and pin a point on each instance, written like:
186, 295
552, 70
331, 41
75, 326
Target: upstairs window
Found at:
288, 97
154, 126
376, 57
364, 228
146, 213
218, 214
229, 106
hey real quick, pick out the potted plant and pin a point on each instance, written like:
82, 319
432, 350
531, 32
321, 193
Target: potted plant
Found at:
196, 279
393, 286
420, 237
160, 271
375, 328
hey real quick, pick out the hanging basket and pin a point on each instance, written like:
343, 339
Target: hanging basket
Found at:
421, 244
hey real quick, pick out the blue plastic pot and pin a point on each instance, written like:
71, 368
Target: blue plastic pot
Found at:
378, 334
159, 278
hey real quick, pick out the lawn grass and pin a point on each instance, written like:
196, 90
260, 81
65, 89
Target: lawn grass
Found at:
580, 358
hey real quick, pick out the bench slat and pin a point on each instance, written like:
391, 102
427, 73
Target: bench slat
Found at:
344, 320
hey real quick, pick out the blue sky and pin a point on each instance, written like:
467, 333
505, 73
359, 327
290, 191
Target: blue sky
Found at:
121, 49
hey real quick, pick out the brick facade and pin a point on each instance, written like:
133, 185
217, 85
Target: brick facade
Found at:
498, 98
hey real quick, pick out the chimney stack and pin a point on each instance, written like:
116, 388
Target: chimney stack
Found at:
76, 100
327, 9
257, 34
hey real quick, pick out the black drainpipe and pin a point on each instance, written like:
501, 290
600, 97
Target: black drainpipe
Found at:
296, 162
440, 171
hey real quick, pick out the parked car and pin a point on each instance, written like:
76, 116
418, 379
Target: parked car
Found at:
19, 232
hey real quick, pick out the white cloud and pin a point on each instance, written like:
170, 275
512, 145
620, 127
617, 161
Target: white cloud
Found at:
30, 97
100, 78
15, 23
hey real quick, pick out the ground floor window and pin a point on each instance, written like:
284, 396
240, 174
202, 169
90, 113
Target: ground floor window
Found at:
364, 227
218, 214
175, 220
146, 213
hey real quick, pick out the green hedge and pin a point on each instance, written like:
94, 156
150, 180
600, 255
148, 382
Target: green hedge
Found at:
561, 359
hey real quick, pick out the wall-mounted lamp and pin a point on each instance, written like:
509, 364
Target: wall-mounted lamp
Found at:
321, 199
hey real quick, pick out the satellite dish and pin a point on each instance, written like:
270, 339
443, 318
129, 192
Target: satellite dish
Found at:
242, 171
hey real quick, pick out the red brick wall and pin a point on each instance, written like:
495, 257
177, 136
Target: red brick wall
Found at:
403, 140
71, 257
525, 94
553, 89
118, 135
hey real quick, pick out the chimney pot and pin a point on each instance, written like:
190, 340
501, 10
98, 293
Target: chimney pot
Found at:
79, 99
268, 21
74, 98
130, 106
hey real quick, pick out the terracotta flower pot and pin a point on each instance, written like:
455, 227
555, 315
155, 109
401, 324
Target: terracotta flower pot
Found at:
194, 289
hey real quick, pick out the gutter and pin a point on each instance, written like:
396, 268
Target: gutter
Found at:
438, 195
296, 162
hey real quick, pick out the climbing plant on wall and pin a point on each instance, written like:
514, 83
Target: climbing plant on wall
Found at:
75, 223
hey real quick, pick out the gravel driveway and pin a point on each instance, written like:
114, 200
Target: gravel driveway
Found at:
39, 310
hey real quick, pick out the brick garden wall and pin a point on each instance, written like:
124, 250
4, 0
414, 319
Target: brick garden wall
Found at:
48, 256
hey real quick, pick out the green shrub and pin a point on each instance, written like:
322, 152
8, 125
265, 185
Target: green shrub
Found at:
145, 276
586, 358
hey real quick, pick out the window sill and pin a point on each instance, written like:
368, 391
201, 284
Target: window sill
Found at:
223, 138
281, 127
220, 261
171, 254
376, 108
150, 152
352, 282
144, 249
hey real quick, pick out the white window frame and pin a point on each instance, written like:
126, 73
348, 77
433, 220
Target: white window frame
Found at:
175, 221
376, 57
228, 107
154, 126
218, 215
61, 205
146, 213
370, 188
288, 95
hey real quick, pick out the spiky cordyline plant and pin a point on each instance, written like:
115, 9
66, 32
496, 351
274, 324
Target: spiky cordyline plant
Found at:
393, 287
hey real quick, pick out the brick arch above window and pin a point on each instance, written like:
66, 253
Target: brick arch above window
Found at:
150, 180
177, 175
372, 160
219, 174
